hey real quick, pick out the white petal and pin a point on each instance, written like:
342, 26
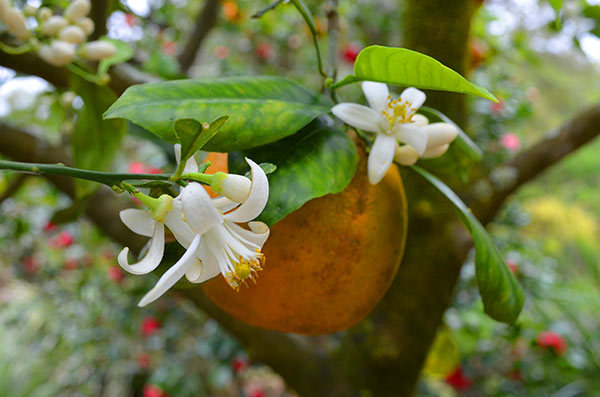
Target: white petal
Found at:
175, 222
359, 116
190, 166
210, 266
198, 210
152, 258
174, 274
406, 155
412, 135
414, 96
138, 221
195, 270
223, 204
420, 120
259, 195
381, 156
257, 235
236, 187
376, 94
440, 134
435, 151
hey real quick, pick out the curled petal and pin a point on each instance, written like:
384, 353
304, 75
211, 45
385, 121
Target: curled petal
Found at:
195, 270
257, 235
412, 135
435, 151
152, 258
381, 156
198, 210
376, 94
440, 134
420, 120
174, 274
257, 199
223, 204
406, 155
139, 221
175, 222
210, 266
359, 116
190, 166
414, 96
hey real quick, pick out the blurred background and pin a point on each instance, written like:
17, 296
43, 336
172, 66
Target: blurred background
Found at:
68, 316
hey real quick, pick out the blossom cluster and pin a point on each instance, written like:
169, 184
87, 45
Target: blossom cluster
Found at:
402, 135
59, 39
208, 228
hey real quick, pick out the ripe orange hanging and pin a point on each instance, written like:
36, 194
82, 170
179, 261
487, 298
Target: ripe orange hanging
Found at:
328, 263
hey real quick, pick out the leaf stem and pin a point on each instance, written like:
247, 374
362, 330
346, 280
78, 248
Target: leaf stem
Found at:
261, 12
306, 15
105, 178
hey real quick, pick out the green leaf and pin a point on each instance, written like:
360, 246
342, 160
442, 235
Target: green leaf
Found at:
502, 295
316, 161
261, 109
462, 155
400, 66
124, 53
95, 141
192, 136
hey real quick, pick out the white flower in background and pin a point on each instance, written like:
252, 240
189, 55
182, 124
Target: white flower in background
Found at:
208, 229
393, 121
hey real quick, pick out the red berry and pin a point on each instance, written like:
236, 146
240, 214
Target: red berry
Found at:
153, 391
551, 339
350, 52
50, 226
149, 326
265, 51
130, 19
62, 240
137, 167
239, 364
514, 268
116, 274
458, 380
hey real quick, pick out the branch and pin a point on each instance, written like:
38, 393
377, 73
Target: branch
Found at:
333, 31
13, 187
121, 76
99, 14
302, 365
205, 21
529, 164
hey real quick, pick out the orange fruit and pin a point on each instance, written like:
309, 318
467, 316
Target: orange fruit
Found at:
328, 263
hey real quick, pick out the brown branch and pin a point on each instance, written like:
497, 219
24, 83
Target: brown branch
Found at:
121, 76
13, 187
205, 21
99, 14
529, 164
333, 31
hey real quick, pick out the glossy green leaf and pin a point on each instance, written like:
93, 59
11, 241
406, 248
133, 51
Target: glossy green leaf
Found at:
124, 53
462, 155
400, 66
95, 141
193, 136
261, 109
316, 161
500, 291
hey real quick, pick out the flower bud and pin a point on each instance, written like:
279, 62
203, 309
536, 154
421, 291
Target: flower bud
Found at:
4, 9
59, 53
87, 25
440, 134
44, 13
72, 34
16, 24
77, 9
406, 155
98, 50
433, 152
67, 98
29, 10
236, 188
53, 25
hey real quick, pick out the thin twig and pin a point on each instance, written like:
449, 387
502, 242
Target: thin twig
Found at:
206, 20
268, 8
